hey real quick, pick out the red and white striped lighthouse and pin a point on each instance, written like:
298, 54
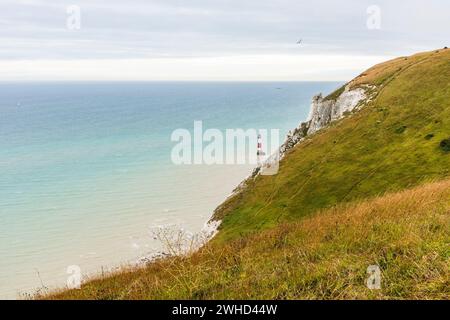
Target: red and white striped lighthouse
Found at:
259, 150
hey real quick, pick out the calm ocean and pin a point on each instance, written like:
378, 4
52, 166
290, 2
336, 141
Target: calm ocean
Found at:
85, 168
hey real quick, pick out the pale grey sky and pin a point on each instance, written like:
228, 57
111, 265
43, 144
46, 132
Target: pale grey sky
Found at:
212, 39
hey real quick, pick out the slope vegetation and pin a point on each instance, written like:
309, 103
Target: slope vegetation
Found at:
325, 256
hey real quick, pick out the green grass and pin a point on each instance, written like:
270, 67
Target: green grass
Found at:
380, 148
312, 230
335, 94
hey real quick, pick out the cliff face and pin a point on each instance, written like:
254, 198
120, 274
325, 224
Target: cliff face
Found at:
323, 112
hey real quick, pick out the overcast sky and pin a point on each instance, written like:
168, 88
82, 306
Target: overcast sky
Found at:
212, 39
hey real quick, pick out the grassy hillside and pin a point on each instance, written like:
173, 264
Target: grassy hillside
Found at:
391, 144
312, 230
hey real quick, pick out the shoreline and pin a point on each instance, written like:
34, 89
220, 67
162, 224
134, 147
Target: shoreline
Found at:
102, 230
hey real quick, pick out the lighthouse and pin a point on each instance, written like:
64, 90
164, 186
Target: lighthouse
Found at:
259, 151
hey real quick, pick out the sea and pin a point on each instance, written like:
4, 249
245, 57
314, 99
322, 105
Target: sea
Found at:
87, 173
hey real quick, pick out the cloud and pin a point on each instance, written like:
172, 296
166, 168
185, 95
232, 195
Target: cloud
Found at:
227, 68
35, 30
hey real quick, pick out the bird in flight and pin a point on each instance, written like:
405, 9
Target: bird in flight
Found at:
299, 41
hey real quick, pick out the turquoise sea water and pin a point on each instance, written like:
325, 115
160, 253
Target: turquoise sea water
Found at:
85, 168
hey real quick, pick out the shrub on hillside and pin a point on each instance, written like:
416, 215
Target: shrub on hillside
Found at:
445, 145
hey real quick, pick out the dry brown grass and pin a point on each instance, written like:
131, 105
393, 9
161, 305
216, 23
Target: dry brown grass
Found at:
407, 234
381, 72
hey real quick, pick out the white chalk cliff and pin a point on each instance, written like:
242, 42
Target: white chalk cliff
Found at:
324, 111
